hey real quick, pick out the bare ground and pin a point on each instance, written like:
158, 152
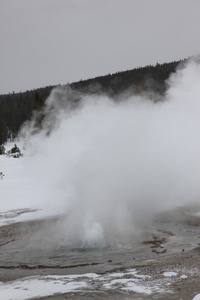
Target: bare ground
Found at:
172, 244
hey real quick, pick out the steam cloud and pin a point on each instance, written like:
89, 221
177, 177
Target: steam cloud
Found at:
109, 166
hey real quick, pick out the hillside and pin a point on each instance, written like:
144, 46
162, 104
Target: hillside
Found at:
16, 108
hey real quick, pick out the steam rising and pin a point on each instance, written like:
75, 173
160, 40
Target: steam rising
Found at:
107, 166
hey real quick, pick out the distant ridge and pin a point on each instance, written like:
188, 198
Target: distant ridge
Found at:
16, 108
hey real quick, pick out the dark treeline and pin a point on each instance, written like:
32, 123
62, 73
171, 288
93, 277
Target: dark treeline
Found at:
149, 78
16, 108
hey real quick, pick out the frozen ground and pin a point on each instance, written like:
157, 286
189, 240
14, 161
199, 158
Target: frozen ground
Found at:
128, 281
39, 286
35, 262
20, 194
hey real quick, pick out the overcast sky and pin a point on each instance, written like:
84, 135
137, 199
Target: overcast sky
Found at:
48, 42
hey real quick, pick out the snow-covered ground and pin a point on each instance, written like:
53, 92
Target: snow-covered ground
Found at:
128, 281
19, 196
20, 193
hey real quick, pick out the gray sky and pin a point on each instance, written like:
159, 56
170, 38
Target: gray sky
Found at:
47, 42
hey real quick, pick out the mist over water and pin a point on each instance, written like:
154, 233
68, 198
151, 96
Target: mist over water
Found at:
109, 167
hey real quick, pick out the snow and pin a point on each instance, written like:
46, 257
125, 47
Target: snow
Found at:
20, 193
195, 214
120, 274
183, 276
75, 276
169, 274
132, 287
133, 272
39, 287
19, 190
129, 285
16, 187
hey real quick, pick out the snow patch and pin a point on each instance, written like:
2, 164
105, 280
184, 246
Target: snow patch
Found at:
184, 276
169, 274
41, 286
34, 287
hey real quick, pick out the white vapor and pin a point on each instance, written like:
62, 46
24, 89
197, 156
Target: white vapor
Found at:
108, 166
